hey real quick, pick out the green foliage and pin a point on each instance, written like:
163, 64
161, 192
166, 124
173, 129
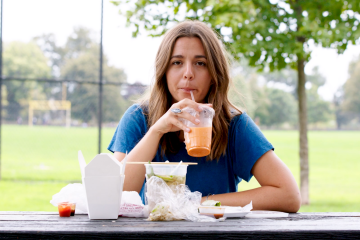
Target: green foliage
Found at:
268, 33
55, 53
288, 77
24, 60
342, 116
79, 60
318, 109
285, 76
85, 97
274, 106
269, 106
346, 99
241, 94
280, 108
352, 89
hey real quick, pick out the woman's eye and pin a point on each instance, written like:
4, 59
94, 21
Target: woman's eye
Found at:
176, 63
201, 63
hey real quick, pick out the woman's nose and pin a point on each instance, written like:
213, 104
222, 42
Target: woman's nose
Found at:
188, 72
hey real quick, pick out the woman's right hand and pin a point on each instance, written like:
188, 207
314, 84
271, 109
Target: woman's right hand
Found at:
170, 122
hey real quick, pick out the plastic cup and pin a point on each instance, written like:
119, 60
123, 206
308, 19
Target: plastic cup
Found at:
73, 206
198, 140
64, 209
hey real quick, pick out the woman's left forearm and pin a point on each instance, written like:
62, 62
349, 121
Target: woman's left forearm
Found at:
278, 192
263, 198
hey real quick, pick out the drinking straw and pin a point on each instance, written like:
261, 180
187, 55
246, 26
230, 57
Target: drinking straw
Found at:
192, 96
175, 168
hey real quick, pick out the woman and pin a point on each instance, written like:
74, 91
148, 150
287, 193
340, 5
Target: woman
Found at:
191, 58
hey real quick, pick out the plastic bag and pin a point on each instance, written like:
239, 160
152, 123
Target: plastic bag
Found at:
75, 193
176, 203
132, 206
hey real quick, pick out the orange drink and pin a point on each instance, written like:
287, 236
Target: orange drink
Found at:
64, 209
198, 140
198, 143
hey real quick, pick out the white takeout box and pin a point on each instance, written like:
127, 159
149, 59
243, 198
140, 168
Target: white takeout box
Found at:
103, 183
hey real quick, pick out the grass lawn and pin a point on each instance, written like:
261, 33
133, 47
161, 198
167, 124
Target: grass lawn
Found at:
37, 162
334, 168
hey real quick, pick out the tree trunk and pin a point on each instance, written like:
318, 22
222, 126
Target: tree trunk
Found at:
304, 157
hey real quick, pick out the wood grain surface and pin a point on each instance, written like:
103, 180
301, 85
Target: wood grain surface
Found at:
45, 225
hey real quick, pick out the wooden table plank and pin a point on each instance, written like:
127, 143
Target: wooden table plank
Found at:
297, 226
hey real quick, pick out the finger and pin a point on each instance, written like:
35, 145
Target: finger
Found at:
189, 117
207, 105
179, 124
175, 111
188, 103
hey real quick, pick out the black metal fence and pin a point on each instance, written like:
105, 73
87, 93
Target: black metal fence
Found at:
80, 89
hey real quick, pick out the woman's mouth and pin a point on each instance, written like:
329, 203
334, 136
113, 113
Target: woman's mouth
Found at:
187, 90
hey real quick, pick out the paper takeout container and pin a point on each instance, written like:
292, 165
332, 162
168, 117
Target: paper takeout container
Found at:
103, 183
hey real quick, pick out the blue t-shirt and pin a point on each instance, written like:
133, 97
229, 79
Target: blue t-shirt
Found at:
246, 144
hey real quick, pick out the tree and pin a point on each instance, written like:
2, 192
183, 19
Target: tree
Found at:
346, 99
242, 93
268, 106
352, 89
318, 109
280, 108
342, 116
84, 96
54, 53
81, 62
78, 60
272, 34
24, 60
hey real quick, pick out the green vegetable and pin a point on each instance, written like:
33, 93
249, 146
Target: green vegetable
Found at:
212, 203
152, 171
166, 178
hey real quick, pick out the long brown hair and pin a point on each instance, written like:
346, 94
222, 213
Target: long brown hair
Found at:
218, 65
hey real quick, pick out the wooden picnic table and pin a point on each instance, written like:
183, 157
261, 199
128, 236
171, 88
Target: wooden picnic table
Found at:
47, 225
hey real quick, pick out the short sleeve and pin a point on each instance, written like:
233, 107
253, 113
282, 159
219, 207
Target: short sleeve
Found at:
247, 144
130, 130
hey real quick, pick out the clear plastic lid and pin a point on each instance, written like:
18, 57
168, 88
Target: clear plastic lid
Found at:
205, 117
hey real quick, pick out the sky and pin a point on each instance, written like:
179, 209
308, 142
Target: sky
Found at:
25, 19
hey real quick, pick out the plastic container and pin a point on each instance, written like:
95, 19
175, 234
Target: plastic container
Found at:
216, 212
64, 209
166, 172
173, 174
73, 206
198, 140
